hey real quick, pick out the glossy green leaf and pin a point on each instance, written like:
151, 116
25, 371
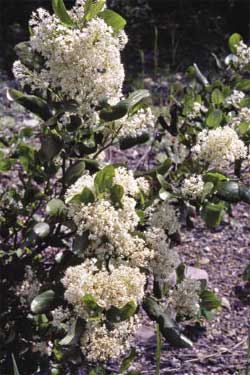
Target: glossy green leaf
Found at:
229, 191
217, 97
61, 12
112, 113
94, 310
93, 9
86, 196
74, 172
243, 85
32, 103
213, 213
104, 179
214, 118
116, 315
56, 207
74, 333
168, 326
44, 302
51, 146
113, 19
234, 41
117, 193
130, 142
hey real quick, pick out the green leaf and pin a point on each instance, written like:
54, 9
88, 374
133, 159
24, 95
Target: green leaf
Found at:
130, 142
229, 191
93, 9
74, 172
51, 146
116, 315
104, 179
112, 113
234, 41
86, 196
214, 177
55, 207
246, 274
168, 326
214, 118
245, 193
92, 306
15, 368
74, 333
209, 300
217, 97
207, 190
116, 193
213, 213
61, 12
43, 303
243, 85
32, 103
126, 363
113, 19
41, 229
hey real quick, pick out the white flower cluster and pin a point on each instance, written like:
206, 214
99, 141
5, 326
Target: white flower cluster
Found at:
108, 223
242, 116
101, 344
243, 55
165, 260
197, 110
235, 98
111, 275
109, 288
185, 298
219, 147
83, 62
192, 187
163, 215
137, 124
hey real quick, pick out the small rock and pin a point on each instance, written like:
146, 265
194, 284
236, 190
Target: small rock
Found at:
196, 273
225, 303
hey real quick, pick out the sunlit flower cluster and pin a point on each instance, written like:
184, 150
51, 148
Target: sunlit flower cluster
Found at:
109, 288
197, 110
192, 187
235, 98
101, 344
219, 147
107, 223
141, 122
243, 55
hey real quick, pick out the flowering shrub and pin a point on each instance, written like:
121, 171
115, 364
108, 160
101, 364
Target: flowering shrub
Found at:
83, 240
205, 142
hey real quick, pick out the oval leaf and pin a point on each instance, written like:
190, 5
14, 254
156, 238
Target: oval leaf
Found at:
113, 19
41, 229
234, 41
44, 302
61, 12
55, 207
